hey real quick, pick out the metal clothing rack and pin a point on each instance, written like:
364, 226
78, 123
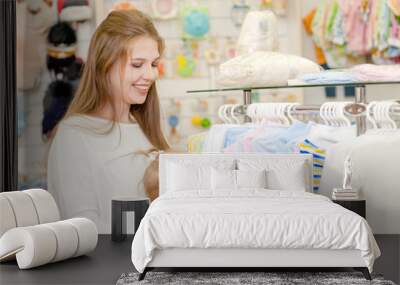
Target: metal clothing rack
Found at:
359, 99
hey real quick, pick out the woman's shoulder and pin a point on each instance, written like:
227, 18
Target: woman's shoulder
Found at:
77, 121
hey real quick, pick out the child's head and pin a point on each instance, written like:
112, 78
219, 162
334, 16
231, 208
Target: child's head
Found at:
150, 180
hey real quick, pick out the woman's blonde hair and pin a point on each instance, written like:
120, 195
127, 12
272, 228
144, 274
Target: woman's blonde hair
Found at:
109, 44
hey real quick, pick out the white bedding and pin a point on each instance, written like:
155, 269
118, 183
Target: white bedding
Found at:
250, 219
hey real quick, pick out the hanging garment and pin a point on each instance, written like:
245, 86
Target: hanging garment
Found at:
284, 142
244, 143
318, 154
232, 134
307, 22
355, 25
325, 136
215, 139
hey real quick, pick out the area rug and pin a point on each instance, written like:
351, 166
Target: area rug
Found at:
243, 278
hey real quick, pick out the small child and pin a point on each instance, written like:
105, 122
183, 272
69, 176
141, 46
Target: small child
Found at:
150, 177
150, 180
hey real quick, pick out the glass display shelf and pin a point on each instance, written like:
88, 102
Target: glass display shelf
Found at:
360, 93
352, 84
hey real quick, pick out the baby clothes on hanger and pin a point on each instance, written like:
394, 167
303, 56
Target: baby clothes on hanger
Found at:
284, 142
215, 138
350, 32
232, 134
244, 142
319, 154
325, 136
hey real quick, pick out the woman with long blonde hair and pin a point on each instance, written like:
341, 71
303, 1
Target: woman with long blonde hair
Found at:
115, 114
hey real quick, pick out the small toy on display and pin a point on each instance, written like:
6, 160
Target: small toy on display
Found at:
186, 65
161, 69
164, 9
174, 137
196, 120
265, 4
201, 122
239, 10
193, 46
206, 123
259, 32
123, 5
185, 62
279, 7
196, 21
230, 48
212, 54
173, 112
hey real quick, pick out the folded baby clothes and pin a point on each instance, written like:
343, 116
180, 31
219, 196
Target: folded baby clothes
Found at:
373, 72
328, 77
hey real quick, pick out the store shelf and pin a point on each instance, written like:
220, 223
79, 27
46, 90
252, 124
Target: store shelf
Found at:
248, 88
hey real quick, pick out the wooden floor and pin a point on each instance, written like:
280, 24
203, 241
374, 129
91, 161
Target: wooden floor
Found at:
110, 260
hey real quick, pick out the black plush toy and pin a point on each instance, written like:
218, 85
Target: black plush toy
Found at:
65, 71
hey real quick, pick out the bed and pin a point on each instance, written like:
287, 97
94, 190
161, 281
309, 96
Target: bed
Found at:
247, 210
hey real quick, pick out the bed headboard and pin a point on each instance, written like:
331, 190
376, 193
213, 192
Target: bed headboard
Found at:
222, 158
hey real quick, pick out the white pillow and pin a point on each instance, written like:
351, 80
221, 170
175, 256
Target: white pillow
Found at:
251, 179
293, 180
227, 179
183, 177
223, 179
281, 174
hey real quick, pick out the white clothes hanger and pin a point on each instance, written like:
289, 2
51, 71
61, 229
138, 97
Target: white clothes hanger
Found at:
323, 113
389, 123
344, 120
227, 112
370, 114
220, 113
290, 110
234, 117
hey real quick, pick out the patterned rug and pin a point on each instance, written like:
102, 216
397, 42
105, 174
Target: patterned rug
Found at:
243, 278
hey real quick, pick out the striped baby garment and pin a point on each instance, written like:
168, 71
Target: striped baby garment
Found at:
319, 155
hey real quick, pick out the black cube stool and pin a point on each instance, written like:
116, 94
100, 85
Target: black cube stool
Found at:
119, 207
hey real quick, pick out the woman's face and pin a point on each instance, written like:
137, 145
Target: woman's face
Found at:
132, 86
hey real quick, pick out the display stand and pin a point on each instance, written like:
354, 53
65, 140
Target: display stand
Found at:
360, 95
